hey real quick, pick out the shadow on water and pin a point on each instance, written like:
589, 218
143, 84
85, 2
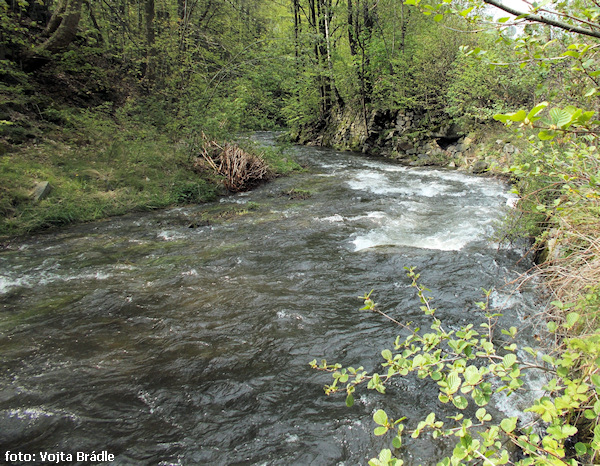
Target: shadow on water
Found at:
166, 344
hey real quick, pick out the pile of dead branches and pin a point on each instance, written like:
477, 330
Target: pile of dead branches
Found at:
240, 170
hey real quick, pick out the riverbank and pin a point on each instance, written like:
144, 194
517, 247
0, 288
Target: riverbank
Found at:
100, 166
414, 138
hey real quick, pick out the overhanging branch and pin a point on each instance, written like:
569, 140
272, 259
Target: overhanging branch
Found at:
545, 20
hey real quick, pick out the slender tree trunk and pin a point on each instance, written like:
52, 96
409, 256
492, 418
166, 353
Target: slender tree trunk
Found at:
98, 34
328, 17
404, 22
354, 39
322, 58
296, 6
149, 14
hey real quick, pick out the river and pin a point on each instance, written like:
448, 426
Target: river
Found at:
165, 338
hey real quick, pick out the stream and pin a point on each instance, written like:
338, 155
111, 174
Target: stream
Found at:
182, 337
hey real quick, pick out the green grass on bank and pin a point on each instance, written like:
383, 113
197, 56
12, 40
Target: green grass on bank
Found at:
98, 168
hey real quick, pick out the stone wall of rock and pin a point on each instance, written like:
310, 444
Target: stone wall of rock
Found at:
409, 136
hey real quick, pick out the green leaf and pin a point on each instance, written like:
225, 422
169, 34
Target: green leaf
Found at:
509, 360
508, 424
535, 110
380, 417
572, 318
387, 354
504, 20
482, 415
438, 18
382, 430
516, 117
460, 402
460, 452
453, 383
472, 375
385, 458
580, 449
349, 400
482, 394
591, 92
559, 117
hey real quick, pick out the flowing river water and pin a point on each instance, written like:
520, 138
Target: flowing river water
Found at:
164, 338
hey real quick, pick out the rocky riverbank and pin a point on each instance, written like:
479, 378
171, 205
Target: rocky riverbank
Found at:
411, 137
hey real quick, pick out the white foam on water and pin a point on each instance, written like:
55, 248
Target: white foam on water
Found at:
36, 413
233, 200
333, 218
289, 315
291, 438
446, 231
512, 200
375, 216
170, 235
438, 242
380, 183
7, 283
385, 167
44, 278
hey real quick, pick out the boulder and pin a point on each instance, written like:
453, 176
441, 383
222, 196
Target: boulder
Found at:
480, 167
41, 191
509, 149
405, 146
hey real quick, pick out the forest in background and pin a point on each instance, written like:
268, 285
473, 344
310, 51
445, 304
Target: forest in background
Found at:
111, 102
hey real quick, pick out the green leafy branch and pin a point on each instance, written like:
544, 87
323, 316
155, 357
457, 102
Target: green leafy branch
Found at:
469, 367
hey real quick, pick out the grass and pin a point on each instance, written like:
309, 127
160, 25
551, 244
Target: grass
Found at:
99, 167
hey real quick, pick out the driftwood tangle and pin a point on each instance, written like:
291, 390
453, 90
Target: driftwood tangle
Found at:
239, 169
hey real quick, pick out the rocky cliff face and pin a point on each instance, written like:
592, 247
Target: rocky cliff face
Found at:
404, 135
410, 136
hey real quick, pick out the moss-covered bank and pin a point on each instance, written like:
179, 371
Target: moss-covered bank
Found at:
99, 166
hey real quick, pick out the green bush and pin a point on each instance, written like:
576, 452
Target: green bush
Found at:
469, 366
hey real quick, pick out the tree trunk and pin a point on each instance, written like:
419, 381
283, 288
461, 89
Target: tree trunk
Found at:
296, 5
62, 27
334, 89
322, 58
56, 18
150, 37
